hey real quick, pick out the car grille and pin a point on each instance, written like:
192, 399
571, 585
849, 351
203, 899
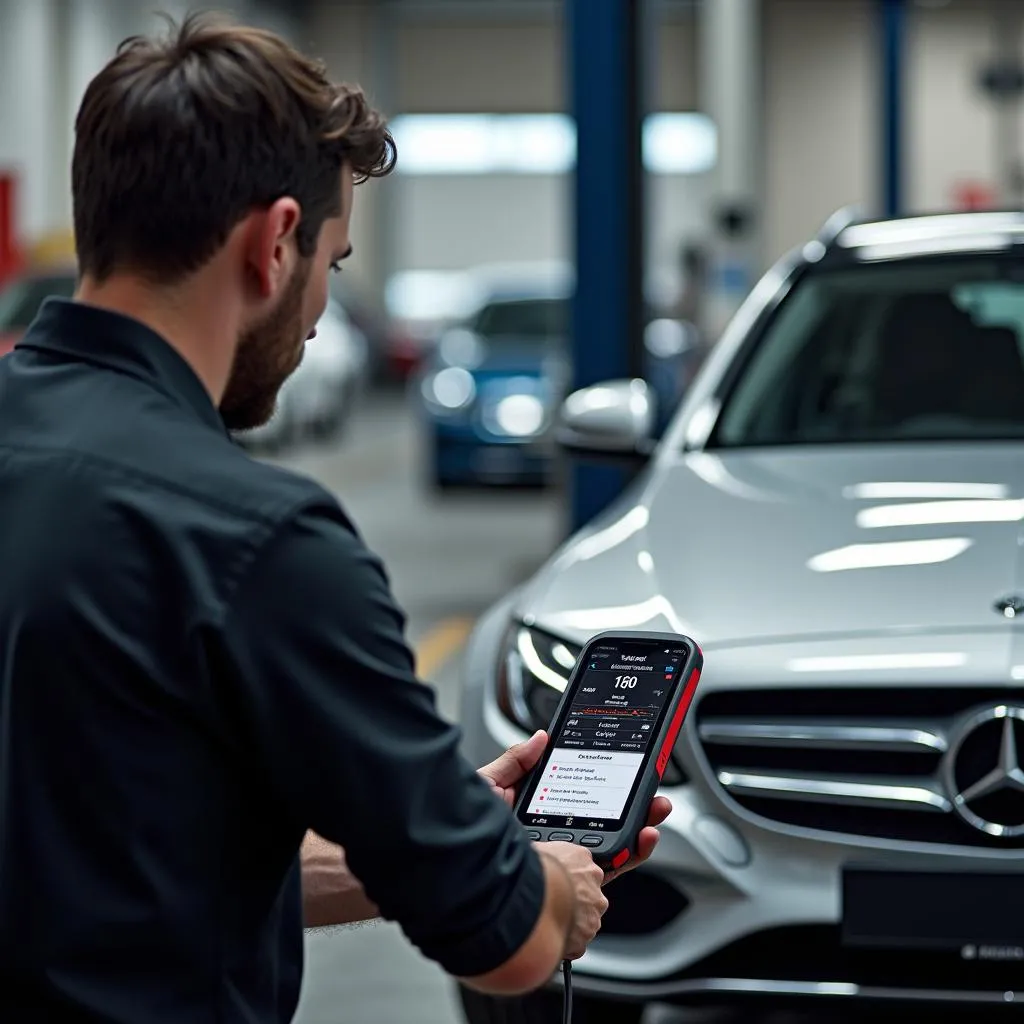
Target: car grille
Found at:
642, 903
862, 762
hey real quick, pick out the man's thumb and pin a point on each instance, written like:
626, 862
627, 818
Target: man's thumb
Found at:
515, 762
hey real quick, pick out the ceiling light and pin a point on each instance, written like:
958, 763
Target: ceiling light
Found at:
896, 553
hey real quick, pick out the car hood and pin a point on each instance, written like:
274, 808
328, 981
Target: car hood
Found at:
768, 545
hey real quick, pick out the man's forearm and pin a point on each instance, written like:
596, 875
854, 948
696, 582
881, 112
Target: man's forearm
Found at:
331, 894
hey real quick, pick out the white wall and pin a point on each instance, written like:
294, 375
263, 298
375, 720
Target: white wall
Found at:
820, 94
821, 129
952, 129
486, 67
449, 223
27, 86
49, 51
354, 42
823, 102
517, 66
416, 64
678, 211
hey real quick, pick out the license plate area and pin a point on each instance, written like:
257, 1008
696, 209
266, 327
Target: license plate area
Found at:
978, 914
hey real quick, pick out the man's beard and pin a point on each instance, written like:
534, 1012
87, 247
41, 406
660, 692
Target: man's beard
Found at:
267, 355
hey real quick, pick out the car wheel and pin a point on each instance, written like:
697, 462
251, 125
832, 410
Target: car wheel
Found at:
434, 477
545, 1008
441, 484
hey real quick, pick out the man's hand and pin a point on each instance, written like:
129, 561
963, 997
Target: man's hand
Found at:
331, 894
506, 772
589, 902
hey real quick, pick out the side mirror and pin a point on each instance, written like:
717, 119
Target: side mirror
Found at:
613, 420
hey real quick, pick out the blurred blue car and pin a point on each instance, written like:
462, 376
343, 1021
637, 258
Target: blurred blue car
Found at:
488, 392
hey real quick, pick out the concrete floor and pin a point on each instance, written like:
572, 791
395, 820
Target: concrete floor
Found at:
446, 568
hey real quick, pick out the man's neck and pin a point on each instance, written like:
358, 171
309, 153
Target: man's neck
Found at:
192, 318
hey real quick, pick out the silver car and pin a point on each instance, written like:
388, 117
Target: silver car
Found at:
835, 513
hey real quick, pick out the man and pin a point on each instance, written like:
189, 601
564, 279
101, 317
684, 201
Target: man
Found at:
200, 662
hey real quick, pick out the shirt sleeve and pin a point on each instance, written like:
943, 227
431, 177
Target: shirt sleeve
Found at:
353, 744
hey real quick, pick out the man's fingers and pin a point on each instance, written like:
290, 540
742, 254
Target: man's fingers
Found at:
660, 809
527, 753
509, 769
645, 844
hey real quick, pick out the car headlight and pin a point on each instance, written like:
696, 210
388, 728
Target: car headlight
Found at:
533, 671
516, 407
532, 674
516, 416
451, 390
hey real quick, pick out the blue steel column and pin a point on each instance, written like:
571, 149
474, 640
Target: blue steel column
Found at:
894, 18
604, 43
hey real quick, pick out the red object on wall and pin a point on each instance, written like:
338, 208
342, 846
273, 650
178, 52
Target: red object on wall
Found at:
10, 253
973, 195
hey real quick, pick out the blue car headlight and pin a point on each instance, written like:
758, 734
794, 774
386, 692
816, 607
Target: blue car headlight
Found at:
516, 407
517, 415
449, 391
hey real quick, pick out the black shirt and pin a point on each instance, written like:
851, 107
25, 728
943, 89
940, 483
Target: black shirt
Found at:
199, 661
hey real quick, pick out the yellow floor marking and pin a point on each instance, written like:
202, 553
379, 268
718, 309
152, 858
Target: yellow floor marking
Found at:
440, 643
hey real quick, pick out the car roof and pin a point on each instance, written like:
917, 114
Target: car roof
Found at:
847, 236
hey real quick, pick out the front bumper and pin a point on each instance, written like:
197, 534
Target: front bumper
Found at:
913, 981
729, 908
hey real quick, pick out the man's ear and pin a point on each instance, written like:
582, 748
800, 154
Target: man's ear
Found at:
270, 245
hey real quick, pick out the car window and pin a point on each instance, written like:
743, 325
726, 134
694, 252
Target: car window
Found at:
523, 319
914, 351
20, 300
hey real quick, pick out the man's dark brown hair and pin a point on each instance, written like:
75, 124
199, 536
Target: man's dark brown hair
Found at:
179, 138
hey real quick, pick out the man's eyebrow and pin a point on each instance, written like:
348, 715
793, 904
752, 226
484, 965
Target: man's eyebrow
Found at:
348, 252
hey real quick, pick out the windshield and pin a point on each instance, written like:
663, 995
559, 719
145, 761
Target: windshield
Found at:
523, 320
20, 300
915, 351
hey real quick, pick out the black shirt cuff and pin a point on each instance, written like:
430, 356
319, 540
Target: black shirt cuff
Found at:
466, 956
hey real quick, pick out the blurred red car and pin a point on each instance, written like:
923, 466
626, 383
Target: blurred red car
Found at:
21, 298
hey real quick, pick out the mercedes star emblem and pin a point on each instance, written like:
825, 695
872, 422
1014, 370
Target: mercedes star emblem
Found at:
984, 774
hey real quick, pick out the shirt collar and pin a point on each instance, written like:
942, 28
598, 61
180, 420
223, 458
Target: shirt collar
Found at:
101, 337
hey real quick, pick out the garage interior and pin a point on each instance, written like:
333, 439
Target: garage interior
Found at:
640, 170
